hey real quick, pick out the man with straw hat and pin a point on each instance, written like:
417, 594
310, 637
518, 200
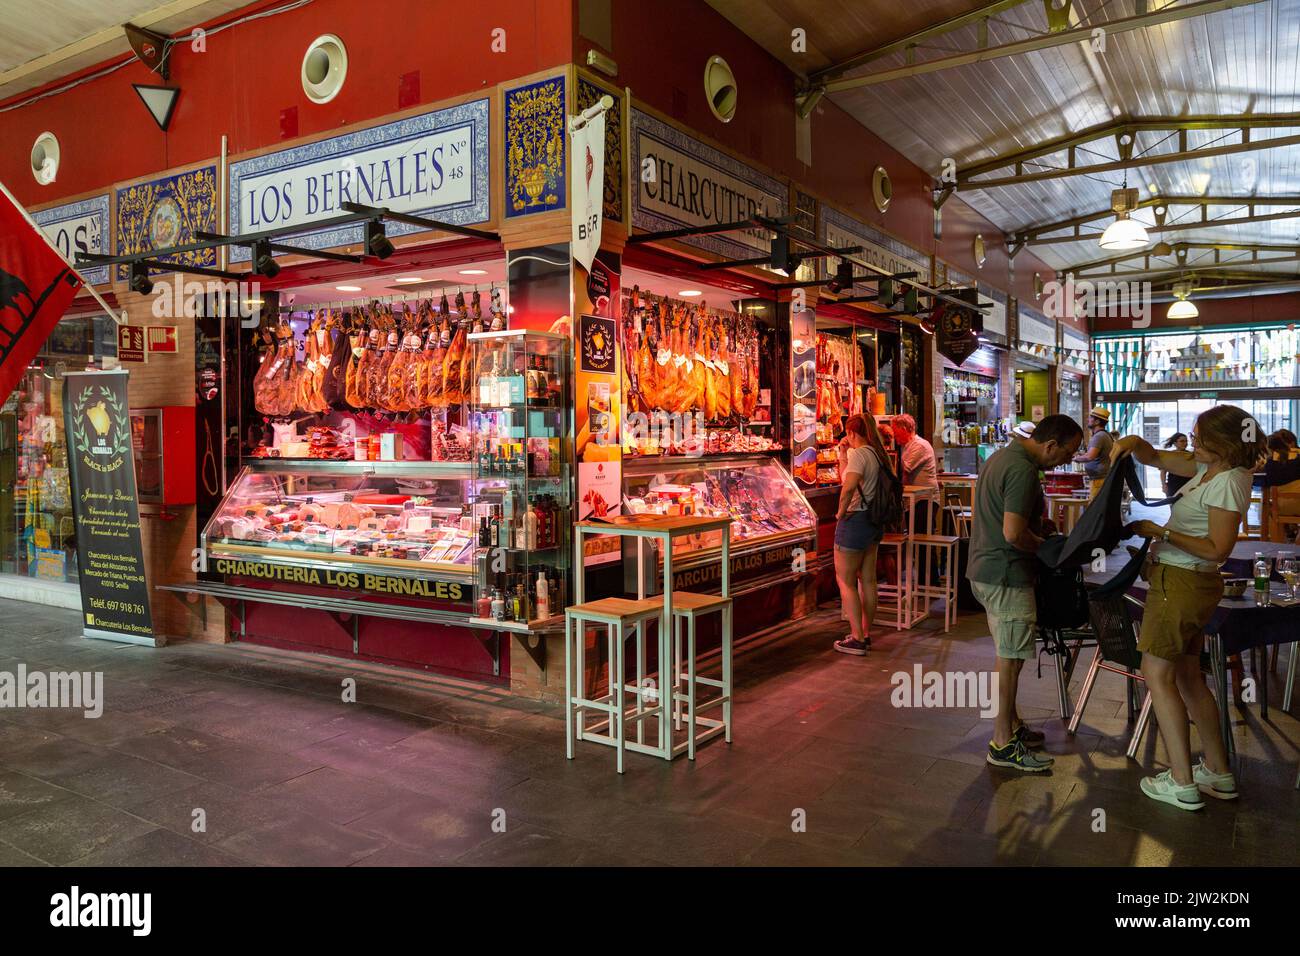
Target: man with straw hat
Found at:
1096, 460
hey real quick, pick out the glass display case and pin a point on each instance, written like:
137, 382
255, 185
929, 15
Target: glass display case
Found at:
771, 514
520, 417
402, 517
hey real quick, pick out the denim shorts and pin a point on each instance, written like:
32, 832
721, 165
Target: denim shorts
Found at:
856, 532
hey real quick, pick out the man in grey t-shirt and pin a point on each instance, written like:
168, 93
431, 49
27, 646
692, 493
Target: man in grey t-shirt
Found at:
1096, 460
1006, 531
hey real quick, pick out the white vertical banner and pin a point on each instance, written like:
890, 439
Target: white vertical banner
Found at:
588, 172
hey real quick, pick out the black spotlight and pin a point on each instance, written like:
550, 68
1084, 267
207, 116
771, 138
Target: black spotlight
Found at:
140, 281
911, 300
843, 277
885, 292
377, 243
264, 263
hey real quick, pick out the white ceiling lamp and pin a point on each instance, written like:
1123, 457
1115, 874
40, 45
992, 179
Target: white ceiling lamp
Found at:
1183, 306
1124, 233
160, 101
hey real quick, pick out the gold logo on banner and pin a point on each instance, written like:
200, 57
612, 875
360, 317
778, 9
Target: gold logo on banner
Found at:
107, 443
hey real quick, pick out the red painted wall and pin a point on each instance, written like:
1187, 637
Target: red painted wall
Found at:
661, 49
250, 73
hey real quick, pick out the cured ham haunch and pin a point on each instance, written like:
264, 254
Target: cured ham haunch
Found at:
686, 359
403, 362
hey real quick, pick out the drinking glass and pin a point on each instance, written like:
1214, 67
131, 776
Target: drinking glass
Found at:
1289, 567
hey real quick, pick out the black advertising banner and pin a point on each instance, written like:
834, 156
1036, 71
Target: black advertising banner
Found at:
956, 328
114, 593
596, 348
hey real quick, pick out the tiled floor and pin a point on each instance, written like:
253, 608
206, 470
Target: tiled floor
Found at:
209, 755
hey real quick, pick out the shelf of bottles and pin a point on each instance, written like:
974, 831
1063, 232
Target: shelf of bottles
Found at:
519, 417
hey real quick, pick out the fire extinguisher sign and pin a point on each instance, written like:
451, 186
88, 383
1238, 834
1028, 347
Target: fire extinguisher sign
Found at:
131, 344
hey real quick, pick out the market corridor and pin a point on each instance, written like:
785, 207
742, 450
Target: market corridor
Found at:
419, 770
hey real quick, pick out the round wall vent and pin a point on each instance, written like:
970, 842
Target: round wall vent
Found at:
720, 88
882, 190
324, 68
45, 158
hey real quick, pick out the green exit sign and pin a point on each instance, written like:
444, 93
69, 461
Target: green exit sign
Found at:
1209, 395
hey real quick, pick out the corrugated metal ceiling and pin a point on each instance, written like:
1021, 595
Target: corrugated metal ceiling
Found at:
1229, 63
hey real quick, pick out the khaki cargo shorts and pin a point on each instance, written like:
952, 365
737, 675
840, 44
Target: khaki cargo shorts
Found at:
1180, 602
1012, 614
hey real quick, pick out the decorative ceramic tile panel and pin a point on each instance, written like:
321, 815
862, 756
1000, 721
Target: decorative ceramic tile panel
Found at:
167, 212
80, 227
535, 147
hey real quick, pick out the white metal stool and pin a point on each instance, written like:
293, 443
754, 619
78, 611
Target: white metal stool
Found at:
926, 546
687, 608
619, 615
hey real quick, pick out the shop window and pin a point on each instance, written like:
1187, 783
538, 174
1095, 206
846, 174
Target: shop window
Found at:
37, 539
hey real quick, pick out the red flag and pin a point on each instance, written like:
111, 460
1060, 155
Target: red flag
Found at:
36, 287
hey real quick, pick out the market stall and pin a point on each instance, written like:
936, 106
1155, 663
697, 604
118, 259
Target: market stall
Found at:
403, 449
700, 436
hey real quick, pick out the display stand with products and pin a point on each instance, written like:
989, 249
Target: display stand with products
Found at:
519, 416
841, 379
401, 462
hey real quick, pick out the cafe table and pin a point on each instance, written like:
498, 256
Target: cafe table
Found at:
661, 528
1237, 625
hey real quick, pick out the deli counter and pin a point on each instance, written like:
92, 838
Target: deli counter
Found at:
773, 523
399, 528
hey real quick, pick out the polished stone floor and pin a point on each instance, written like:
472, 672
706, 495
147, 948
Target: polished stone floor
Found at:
234, 755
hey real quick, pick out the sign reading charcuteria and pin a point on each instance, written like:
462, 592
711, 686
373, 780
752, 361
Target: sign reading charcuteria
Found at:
679, 181
434, 164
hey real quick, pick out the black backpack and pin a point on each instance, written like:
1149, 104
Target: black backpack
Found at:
1061, 597
885, 509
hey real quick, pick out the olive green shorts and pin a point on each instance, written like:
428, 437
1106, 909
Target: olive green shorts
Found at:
1012, 614
1180, 602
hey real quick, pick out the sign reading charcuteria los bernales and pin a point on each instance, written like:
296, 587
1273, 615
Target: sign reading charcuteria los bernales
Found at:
435, 164
342, 579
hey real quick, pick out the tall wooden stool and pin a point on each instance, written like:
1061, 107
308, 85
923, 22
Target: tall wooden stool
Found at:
926, 548
619, 615
687, 608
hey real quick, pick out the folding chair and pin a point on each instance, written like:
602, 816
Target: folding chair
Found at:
1112, 625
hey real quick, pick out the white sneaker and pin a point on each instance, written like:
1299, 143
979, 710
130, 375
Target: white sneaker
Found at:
1222, 786
1162, 787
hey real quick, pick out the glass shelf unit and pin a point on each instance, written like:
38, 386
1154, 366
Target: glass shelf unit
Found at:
520, 418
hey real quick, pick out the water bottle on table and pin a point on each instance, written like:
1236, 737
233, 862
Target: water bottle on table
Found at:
1261, 580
